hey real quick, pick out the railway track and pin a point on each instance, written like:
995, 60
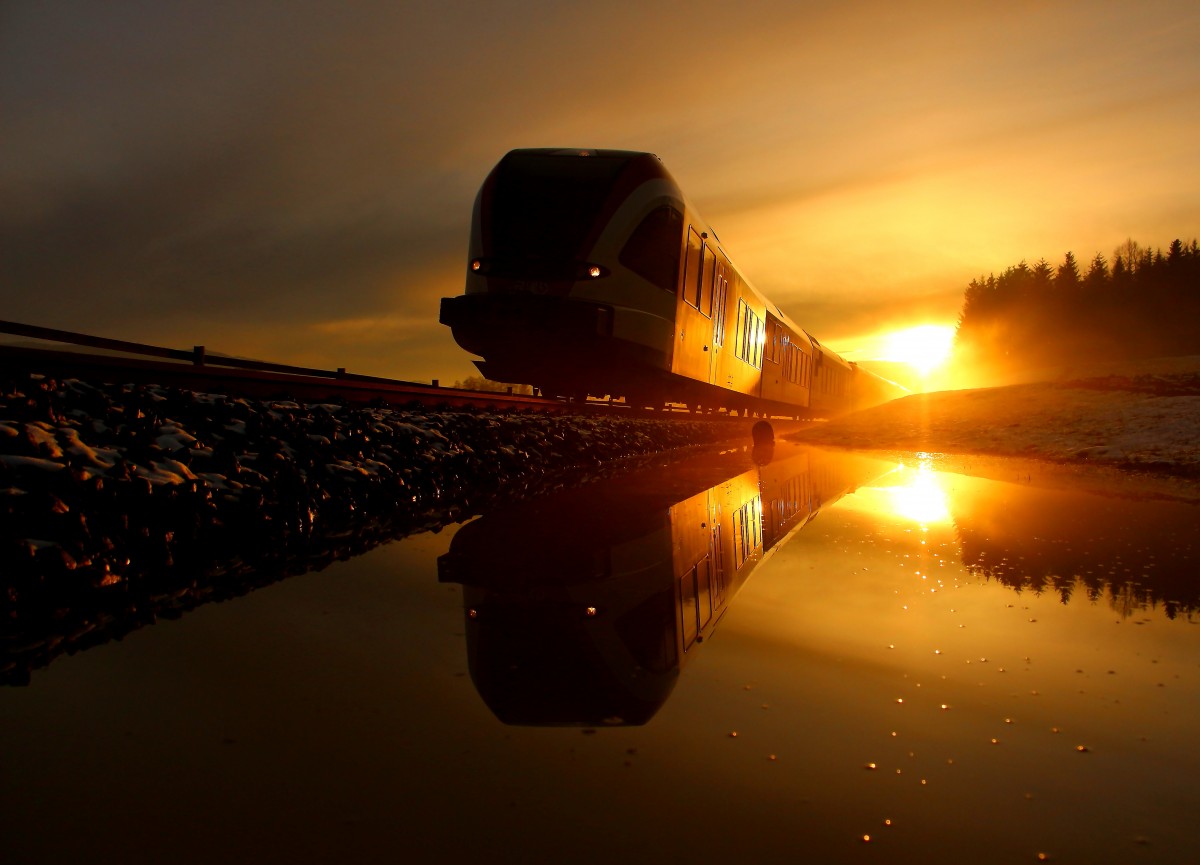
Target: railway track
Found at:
77, 355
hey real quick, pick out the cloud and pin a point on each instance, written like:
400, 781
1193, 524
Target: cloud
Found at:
276, 171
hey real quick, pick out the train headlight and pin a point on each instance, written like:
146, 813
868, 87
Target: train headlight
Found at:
593, 271
476, 265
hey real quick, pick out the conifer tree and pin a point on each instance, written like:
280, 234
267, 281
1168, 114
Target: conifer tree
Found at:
1097, 275
1067, 275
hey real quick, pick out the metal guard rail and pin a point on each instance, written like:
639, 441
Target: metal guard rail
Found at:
198, 356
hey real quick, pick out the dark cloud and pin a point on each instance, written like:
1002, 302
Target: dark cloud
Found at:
213, 168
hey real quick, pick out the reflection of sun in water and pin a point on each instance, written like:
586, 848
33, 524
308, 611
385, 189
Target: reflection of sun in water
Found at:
908, 493
919, 496
924, 348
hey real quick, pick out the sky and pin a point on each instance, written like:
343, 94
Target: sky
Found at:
293, 181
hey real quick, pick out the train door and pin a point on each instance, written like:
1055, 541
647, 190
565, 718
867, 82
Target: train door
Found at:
720, 296
694, 310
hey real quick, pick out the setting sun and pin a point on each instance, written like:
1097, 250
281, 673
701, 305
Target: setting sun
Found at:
924, 348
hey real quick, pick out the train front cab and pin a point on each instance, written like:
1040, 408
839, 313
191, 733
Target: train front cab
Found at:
574, 262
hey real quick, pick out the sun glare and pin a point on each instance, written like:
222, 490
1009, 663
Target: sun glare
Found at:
924, 348
912, 493
919, 495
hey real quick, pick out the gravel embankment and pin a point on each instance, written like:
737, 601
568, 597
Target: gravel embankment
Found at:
122, 503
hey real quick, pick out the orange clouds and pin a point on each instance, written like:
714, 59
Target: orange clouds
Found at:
861, 161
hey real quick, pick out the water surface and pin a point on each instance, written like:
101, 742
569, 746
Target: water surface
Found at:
779, 657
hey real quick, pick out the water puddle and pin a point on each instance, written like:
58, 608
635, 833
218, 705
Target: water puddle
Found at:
780, 656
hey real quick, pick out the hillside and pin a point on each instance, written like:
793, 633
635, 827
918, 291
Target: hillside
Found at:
1146, 420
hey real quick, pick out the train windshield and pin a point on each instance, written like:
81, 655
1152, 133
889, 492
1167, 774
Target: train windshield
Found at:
544, 206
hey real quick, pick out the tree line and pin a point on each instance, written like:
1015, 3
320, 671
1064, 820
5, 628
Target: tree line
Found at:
1146, 303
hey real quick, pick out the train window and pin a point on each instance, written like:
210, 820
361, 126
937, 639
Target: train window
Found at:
707, 279
739, 335
775, 341
691, 269
831, 380
795, 365
652, 251
546, 206
720, 294
750, 335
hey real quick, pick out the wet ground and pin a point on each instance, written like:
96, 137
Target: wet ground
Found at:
780, 656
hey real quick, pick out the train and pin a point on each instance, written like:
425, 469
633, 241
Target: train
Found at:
591, 274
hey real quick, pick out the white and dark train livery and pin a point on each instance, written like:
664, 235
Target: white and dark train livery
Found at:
590, 273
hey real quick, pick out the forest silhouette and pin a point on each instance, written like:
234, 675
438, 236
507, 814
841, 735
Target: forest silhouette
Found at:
1027, 319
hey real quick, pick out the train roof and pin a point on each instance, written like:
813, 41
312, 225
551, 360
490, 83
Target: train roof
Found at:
581, 151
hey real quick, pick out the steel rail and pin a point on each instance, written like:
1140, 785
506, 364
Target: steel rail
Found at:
199, 370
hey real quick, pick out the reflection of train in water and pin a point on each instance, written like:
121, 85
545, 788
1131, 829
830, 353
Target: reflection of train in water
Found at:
590, 273
581, 607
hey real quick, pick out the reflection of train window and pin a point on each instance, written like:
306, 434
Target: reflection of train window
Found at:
648, 631
747, 531
695, 601
652, 251
698, 598
687, 608
718, 568
704, 607
793, 499
748, 343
